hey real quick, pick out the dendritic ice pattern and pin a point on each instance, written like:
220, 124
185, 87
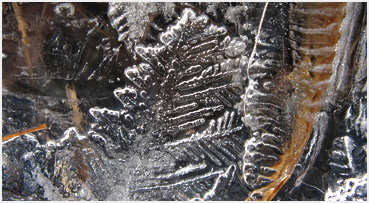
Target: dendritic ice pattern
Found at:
191, 73
184, 101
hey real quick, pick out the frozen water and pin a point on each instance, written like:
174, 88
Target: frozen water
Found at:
184, 101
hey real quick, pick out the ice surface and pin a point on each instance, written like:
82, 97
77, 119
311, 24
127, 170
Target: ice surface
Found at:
184, 101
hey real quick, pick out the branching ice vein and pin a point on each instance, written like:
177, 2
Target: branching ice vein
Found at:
253, 53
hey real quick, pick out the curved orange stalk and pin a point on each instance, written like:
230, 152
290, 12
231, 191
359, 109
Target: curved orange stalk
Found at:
31, 130
303, 77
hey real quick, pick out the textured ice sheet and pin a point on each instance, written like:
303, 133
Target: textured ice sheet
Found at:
184, 101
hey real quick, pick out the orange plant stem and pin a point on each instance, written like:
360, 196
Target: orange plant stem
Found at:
40, 127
